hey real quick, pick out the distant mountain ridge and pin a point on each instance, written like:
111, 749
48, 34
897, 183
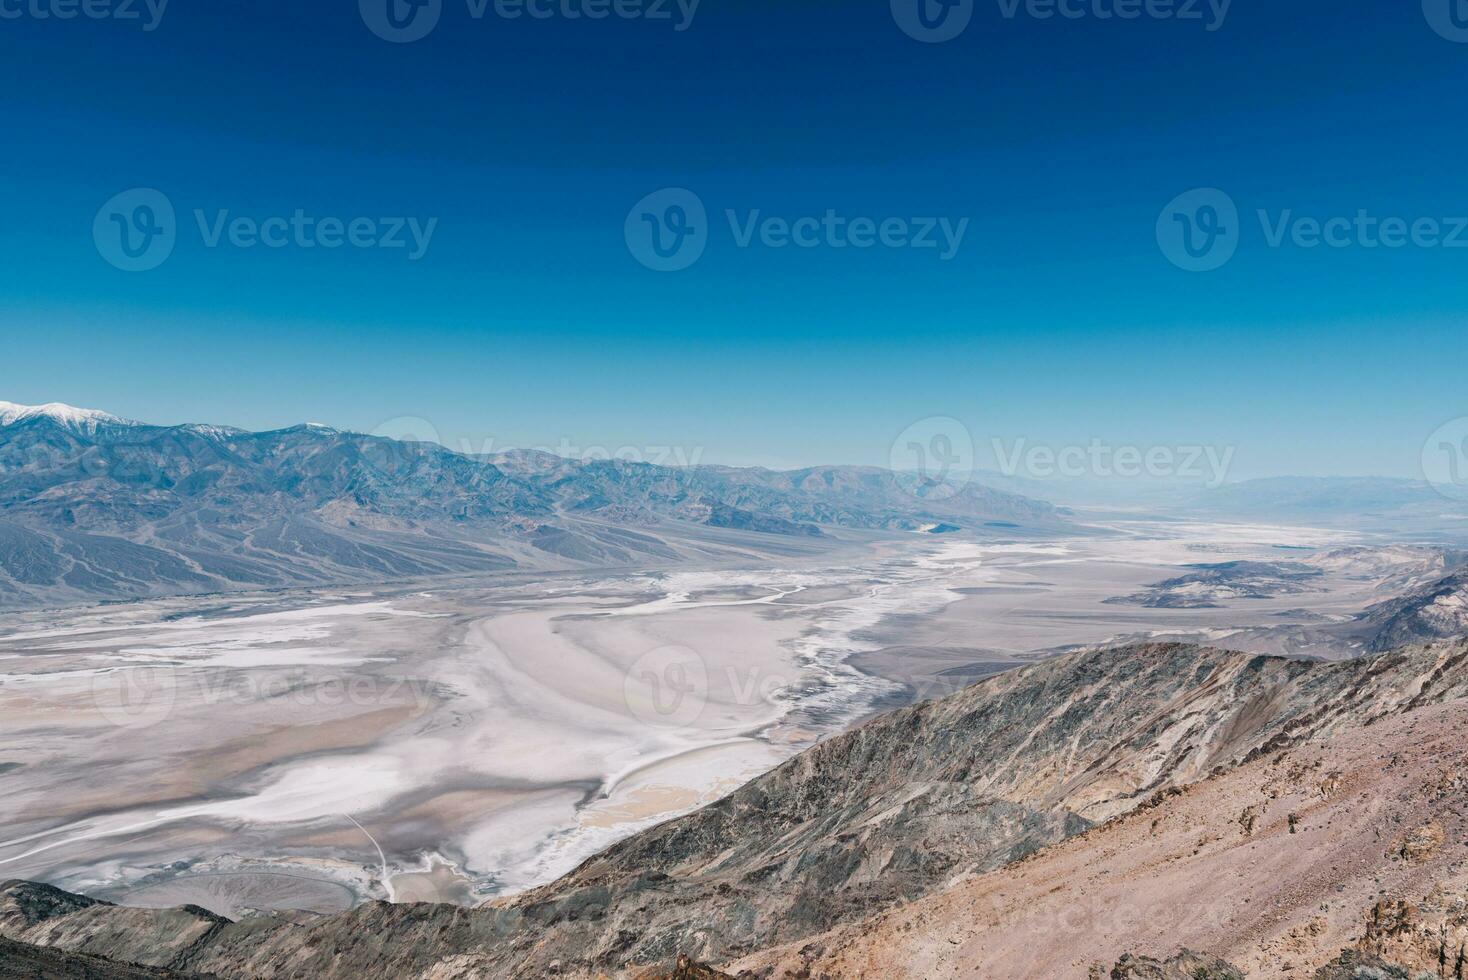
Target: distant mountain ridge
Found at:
76, 419
1323, 495
95, 506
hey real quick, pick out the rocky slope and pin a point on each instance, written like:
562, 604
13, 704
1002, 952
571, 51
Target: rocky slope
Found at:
1436, 611
889, 815
22, 961
1354, 841
93, 506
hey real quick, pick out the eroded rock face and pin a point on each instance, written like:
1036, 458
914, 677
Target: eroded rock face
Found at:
1437, 611
24, 904
1429, 936
1186, 965
45, 916
1355, 966
19, 961
687, 969
889, 812
1422, 843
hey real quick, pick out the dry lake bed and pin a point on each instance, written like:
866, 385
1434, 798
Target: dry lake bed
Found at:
311, 750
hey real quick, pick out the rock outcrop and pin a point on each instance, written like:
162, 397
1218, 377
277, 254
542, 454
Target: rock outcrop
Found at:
21, 961
46, 916
1437, 611
1185, 965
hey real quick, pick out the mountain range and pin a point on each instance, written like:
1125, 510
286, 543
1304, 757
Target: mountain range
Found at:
93, 506
1297, 817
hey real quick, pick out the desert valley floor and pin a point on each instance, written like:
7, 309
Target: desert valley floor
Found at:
313, 749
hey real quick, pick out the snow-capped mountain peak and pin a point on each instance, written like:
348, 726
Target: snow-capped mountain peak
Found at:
78, 419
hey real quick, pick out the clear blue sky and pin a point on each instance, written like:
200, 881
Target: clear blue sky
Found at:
529, 322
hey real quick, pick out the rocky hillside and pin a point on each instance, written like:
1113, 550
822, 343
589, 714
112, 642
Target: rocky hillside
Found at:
1427, 589
21, 961
93, 506
1435, 612
889, 814
1334, 855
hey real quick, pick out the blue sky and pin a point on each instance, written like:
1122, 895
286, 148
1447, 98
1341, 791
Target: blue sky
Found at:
529, 321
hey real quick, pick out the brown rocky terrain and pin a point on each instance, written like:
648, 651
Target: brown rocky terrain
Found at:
1044, 822
19, 961
1438, 610
1356, 842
